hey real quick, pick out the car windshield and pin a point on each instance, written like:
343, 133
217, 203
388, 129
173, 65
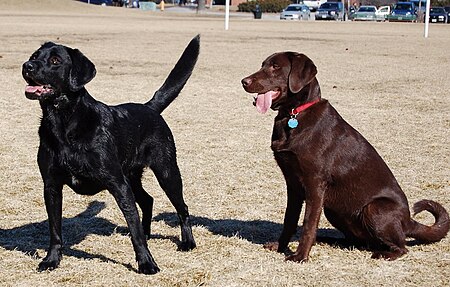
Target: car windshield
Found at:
437, 10
294, 8
367, 9
329, 5
403, 6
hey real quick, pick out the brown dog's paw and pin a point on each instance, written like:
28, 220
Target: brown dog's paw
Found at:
389, 255
297, 258
272, 246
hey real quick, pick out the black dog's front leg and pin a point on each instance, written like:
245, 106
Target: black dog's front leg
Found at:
127, 204
53, 204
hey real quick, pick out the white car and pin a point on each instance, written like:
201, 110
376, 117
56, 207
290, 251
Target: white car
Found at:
295, 12
314, 4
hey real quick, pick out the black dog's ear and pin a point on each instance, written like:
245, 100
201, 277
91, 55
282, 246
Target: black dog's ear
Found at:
82, 72
303, 71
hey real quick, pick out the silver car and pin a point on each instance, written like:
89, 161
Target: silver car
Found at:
295, 12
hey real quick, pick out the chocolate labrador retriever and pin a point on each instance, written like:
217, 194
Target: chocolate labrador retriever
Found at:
327, 164
91, 146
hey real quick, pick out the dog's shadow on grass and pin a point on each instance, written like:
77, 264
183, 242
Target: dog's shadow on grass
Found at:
254, 231
31, 237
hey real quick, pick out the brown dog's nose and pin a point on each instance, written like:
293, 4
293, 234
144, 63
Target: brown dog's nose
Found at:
246, 82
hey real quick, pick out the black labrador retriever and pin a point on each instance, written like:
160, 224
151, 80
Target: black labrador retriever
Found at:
91, 146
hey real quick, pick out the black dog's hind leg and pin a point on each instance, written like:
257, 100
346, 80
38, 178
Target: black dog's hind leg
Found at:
169, 178
143, 199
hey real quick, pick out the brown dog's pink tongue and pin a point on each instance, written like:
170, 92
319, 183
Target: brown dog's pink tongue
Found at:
264, 101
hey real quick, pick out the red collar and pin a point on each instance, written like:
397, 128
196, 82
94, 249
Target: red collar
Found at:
303, 107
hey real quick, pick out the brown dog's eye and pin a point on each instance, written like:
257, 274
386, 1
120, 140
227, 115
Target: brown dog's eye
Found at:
54, 60
275, 66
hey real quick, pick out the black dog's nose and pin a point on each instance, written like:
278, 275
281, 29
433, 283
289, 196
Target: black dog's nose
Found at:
246, 82
28, 66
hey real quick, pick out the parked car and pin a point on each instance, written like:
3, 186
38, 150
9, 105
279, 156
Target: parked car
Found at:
98, 2
313, 4
438, 15
365, 13
403, 11
295, 12
330, 11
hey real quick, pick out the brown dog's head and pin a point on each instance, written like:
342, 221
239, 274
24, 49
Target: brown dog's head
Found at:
281, 76
54, 70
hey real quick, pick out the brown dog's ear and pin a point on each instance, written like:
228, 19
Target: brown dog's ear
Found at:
303, 71
82, 72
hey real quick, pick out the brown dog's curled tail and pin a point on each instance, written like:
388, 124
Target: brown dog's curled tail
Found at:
435, 232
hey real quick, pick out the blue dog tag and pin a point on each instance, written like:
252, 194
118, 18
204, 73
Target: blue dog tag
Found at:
292, 123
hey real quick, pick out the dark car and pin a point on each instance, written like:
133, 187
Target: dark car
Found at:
330, 11
438, 15
98, 2
403, 11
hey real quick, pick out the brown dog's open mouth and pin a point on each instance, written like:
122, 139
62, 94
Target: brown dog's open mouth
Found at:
264, 101
35, 92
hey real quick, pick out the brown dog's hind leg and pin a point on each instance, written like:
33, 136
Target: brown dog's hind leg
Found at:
384, 218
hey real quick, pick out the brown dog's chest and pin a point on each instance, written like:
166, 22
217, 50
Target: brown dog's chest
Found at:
284, 138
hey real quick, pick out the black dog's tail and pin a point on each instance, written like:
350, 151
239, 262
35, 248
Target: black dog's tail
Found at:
177, 77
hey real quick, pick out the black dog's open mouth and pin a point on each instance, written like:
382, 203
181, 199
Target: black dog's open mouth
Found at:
35, 91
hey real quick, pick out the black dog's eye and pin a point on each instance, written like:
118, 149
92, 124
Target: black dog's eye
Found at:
55, 60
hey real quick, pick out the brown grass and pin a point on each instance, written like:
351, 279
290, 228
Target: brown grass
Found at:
384, 78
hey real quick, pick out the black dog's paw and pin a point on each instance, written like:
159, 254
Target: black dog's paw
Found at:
148, 268
187, 245
51, 261
48, 264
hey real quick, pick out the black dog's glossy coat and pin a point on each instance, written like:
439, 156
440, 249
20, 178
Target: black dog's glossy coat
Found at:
91, 146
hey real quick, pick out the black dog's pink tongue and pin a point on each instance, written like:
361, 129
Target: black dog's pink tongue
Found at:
34, 89
264, 101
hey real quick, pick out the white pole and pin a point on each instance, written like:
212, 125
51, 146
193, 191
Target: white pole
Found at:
427, 18
227, 13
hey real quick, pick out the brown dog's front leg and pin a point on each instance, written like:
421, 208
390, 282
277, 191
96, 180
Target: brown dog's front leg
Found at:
291, 217
310, 223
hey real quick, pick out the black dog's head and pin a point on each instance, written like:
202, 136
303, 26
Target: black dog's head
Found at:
54, 70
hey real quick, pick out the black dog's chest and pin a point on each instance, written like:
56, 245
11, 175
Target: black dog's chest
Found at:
80, 172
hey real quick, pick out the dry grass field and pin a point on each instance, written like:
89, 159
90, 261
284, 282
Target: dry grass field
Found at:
384, 78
